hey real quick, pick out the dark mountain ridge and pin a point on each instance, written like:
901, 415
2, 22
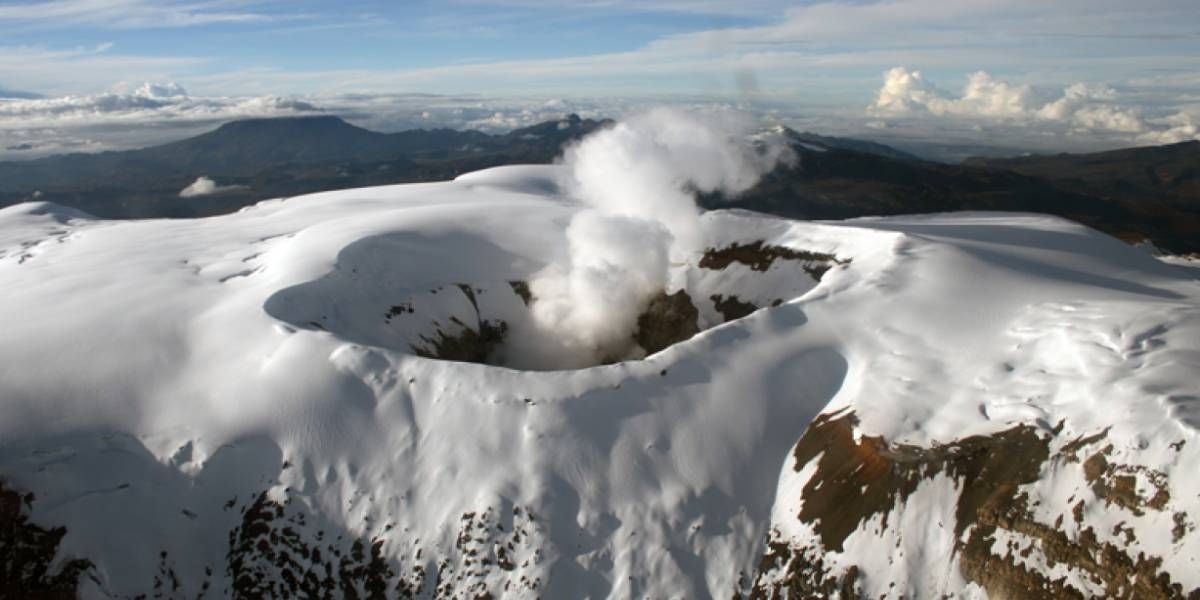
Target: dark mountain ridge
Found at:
271, 158
238, 148
1140, 193
839, 143
1135, 194
1172, 171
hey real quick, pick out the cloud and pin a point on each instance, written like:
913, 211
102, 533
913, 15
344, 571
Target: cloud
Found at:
124, 14
161, 90
1080, 108
1180, 127
813, 62
94, 68
148, 114
1075, 96
796, 52
1106, 117
204, 186
148, 101
692, 7
969, 23
905, 91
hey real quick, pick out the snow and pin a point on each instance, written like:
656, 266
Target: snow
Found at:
884, 556
151, 367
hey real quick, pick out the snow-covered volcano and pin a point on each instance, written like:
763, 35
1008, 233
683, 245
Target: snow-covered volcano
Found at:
258, 405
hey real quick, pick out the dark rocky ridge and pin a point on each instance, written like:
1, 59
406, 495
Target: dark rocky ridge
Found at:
857, 479
28, 553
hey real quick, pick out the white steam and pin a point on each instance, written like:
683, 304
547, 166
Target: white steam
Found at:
638, 179
203, 186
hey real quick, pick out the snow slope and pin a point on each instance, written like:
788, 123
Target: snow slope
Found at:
223, 405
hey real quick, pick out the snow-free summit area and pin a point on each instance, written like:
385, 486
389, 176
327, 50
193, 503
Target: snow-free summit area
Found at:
259, 403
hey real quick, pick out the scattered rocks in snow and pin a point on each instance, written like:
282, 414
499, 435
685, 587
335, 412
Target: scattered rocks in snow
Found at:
474, 332
1117, 484
274, 554
29, 561
471, 344
863, 483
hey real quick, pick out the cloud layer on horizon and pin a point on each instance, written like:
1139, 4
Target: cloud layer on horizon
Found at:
154, 113
908, 111
1078, 109
149, 113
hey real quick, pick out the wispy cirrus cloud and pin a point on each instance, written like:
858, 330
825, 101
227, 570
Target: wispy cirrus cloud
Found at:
693, 7
129, 14
840, 45
40, 69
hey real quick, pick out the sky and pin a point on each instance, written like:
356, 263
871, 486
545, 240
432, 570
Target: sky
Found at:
1009, 74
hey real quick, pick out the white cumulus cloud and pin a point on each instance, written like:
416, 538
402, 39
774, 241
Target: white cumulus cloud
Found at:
1080, 108
1180, 127
161, 90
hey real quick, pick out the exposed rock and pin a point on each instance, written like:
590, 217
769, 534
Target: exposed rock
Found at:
860, 478
759, 256
1117, 484
667, 320
27, 553
521, 288
1182, 526
478, 329
800, 578
400, 309
468, 345
465, 343
731, 307
273, 555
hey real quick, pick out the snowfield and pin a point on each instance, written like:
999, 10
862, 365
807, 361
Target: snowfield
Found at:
238, 405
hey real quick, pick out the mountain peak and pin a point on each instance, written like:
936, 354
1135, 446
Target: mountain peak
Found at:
286, 123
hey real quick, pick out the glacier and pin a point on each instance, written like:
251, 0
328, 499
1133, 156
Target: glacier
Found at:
225, 406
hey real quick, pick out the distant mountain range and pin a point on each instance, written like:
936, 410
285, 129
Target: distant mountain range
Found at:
271, 158
1142, 193
1136, 194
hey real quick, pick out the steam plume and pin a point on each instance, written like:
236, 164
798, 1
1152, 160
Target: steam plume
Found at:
639, 179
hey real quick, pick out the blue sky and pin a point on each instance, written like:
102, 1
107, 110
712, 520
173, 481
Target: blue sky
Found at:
373, 35
295, 44
1095, 71
832, 50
